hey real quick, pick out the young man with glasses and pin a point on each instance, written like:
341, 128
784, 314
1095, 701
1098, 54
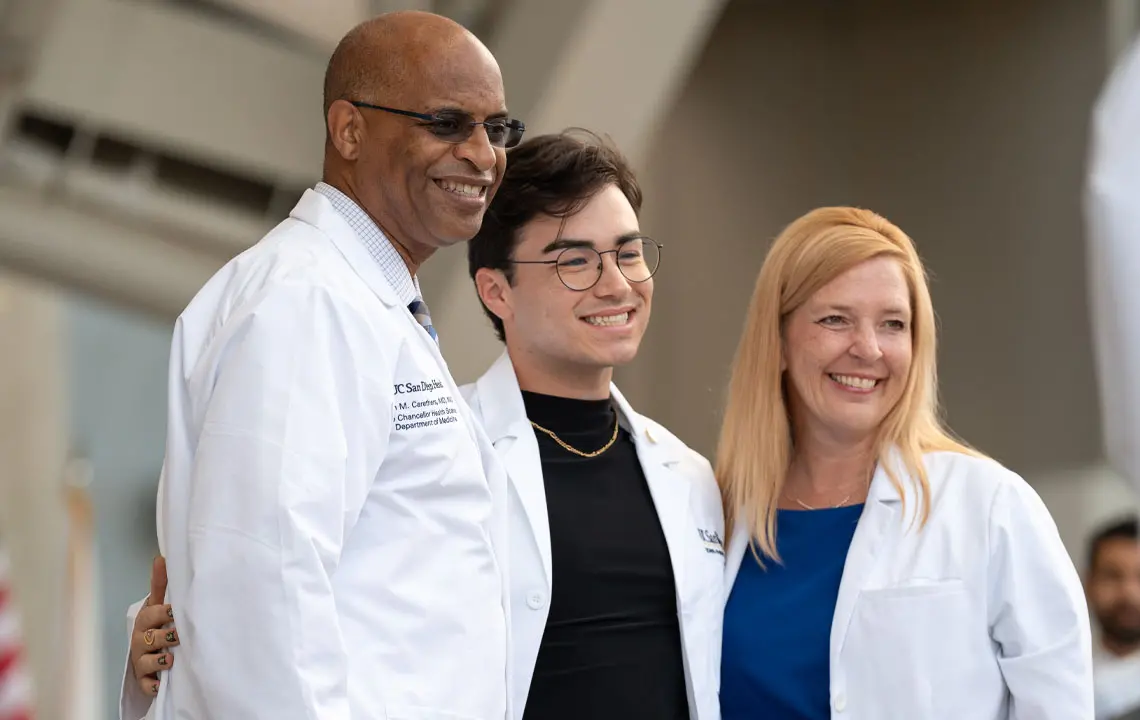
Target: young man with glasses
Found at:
616, 526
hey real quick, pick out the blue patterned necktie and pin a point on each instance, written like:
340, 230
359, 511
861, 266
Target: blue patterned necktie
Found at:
419, 310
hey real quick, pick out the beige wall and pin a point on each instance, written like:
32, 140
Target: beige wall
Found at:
965, 123
33, 451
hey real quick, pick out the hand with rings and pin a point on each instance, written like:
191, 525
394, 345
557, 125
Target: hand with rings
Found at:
153, 633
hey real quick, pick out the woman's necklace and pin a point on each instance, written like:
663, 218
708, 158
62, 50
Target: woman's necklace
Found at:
841, 503
805, 506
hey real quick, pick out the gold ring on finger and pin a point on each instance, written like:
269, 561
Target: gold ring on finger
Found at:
148, 638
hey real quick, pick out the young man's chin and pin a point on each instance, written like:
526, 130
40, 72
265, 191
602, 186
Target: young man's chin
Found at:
618, 356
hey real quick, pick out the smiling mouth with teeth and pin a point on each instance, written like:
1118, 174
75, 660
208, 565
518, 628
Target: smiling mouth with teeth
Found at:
608, 320
462, 189
855, 383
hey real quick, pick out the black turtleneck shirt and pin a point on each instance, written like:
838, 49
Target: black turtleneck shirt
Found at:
612, 645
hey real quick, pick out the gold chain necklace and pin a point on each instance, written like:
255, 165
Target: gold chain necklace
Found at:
809, 507
576, 451
804, 505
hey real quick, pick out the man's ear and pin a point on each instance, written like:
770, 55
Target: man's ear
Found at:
345, 128
495, 292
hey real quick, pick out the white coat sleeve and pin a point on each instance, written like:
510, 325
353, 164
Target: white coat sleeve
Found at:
134, 704
1037, 611
1112, 214
278, 482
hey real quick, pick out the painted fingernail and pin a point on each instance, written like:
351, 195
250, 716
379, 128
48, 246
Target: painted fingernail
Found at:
170, 613
170, 636
154, 688
161, 659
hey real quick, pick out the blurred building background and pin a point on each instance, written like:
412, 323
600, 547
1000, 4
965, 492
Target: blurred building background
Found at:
144, 142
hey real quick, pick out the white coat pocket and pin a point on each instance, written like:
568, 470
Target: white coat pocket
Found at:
914, 588
913, 642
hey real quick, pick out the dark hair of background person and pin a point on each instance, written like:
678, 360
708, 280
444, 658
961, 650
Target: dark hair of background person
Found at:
1122, 529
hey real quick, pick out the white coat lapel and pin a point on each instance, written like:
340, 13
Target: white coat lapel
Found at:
316, 210
877, 524
670, 493
505, 421
734, 554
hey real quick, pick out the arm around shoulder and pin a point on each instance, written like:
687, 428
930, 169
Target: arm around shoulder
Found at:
1037, 610
133, 704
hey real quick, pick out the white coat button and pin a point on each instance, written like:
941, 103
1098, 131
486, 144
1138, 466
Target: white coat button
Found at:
536, 600
840, 702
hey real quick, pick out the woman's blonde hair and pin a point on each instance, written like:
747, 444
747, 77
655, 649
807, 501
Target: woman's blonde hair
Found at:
755, 446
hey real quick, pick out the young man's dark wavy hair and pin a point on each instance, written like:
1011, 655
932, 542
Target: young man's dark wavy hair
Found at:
548, 175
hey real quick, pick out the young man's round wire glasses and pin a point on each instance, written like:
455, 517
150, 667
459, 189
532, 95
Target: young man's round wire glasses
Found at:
579, 266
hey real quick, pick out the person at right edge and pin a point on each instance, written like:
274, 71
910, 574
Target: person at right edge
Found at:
877, 568
1112, 583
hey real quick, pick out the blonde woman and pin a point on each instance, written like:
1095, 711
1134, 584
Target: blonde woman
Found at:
877, 568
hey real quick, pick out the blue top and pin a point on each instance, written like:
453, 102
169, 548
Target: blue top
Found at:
777, 622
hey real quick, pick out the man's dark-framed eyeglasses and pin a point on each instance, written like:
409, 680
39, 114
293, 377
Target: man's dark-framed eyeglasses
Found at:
455, 126
579, 267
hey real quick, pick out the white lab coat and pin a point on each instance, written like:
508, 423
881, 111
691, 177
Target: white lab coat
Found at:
978, 616
1112, 211
332, 518
685, 493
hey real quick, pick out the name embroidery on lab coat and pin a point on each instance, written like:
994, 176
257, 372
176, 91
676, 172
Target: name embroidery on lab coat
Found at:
712, 541
423, 404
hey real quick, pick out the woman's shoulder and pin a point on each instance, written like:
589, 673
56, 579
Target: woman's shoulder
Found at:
972, 475
974, 465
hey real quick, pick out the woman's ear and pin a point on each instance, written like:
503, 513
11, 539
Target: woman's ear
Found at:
494, 292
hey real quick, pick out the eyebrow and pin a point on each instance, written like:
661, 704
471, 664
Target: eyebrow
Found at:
563, 243
847, 309
499, 115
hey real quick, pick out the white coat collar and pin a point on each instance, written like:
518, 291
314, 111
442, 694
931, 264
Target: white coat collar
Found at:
316, 210
502, 410
503, 416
